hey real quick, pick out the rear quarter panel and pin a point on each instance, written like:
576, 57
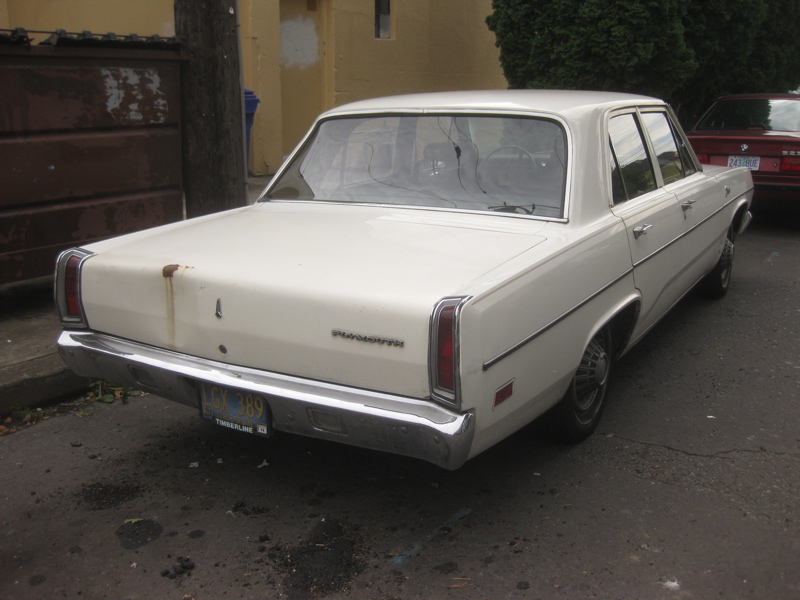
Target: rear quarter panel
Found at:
542, 312
736, 193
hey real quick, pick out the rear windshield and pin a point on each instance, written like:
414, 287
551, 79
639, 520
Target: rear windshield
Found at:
760, 113
503, 164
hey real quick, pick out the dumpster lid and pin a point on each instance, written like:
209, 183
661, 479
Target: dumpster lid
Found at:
87, 39
17, 36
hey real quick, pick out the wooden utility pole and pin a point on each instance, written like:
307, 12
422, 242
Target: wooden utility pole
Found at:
214, 170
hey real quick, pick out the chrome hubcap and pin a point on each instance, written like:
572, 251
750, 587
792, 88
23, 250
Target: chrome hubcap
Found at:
726, 260
591, 378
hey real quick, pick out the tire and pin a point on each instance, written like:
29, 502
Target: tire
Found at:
715, 284
576, 416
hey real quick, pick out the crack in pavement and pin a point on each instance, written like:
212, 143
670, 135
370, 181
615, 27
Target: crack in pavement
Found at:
718, 454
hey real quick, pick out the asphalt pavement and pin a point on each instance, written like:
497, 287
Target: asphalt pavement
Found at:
31, 371
688, 489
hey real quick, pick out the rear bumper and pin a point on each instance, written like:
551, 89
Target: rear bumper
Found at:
776, 197
406, 426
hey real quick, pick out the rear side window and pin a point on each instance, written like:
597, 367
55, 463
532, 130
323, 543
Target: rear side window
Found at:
631, 159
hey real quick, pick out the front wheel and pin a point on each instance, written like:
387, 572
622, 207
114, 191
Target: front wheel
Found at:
576, 416
715, 284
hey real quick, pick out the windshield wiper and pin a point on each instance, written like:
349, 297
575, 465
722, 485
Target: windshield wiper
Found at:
513, 208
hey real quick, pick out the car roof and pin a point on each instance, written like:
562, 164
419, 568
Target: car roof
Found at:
553, 101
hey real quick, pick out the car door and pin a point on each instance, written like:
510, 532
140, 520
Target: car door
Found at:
652, 215
698, 195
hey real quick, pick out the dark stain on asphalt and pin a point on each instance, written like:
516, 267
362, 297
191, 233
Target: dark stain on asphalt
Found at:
101, 496
326, 562
138, 532
184, 565
241, 508
446, 568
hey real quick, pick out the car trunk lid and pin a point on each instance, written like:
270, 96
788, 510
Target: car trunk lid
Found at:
270, 286
770, 148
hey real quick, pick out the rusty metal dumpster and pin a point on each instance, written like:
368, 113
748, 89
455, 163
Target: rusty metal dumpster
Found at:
90, 147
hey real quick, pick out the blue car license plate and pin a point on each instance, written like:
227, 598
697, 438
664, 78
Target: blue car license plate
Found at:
239, 410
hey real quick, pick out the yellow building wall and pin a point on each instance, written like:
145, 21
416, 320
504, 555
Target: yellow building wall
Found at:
436, 45
261, 72
144, 17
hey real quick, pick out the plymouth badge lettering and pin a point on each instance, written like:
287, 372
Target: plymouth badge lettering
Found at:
372, 339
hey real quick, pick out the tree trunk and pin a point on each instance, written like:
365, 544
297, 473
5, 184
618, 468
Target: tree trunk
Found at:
214, 170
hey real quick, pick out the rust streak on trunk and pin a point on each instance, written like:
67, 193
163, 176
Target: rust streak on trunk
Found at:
168, 270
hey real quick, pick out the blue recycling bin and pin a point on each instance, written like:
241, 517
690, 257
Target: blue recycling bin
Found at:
250, 106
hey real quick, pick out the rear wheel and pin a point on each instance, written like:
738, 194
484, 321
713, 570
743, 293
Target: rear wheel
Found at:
576, 416
715, 284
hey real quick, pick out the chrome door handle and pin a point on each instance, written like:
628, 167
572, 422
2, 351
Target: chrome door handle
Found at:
641, 230
688, 204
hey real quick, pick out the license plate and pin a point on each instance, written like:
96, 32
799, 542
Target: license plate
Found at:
239, 410
751, 162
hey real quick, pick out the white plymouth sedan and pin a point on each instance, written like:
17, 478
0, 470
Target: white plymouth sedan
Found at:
425, 275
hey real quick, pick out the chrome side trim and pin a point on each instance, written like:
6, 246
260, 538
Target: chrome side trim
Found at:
408, 426
490, 363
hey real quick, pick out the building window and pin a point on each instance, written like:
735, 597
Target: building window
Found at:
383, 20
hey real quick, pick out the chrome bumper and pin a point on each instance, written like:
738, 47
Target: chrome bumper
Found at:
406, 426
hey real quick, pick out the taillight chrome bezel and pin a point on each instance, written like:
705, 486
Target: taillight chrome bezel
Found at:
70, 302
446, 321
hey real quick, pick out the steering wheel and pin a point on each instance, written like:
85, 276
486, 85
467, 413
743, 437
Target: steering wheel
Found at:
507, 169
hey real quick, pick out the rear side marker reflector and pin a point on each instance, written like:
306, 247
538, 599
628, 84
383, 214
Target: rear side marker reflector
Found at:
504, 393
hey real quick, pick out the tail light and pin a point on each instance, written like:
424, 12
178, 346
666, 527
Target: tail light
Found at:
790, 163
704, 158
68, 287
444, 357
445, 350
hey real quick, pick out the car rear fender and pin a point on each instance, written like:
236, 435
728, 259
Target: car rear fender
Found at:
621, 321
742, 217
738, 185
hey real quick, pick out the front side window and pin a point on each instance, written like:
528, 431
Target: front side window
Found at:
507, 164
664, 145
630, 157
